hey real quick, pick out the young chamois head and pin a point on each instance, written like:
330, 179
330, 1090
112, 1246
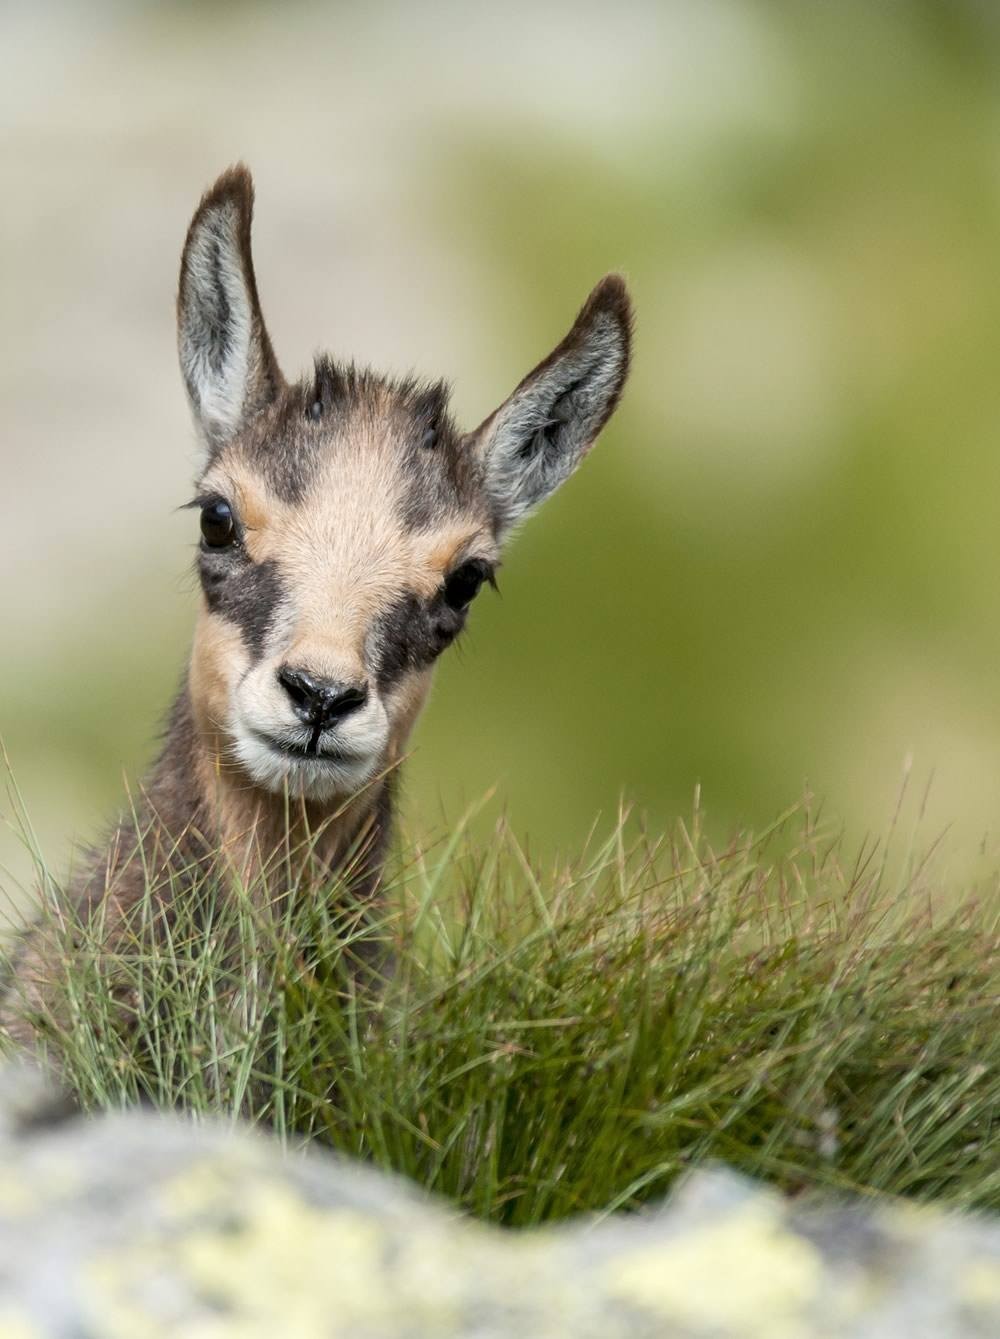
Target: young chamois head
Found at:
346, 523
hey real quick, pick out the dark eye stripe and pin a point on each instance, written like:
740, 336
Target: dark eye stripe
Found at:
410, 635
244, 593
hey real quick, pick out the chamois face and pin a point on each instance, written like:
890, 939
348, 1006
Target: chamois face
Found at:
346, 525
343, 542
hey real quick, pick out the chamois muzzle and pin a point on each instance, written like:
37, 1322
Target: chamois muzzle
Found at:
320, 702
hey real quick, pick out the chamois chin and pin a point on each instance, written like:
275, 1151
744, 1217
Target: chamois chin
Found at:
347, 526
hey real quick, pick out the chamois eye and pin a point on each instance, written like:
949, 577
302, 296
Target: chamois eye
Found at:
462, 585
218, 527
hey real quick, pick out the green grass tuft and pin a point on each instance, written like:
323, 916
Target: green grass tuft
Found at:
571, 1043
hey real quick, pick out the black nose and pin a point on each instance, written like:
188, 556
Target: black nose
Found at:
320, 702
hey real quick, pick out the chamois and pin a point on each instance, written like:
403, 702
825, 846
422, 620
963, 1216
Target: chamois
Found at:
346, 528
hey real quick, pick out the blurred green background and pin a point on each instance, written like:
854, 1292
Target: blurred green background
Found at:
780, 566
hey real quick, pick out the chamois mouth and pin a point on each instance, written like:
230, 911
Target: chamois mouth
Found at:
290, 748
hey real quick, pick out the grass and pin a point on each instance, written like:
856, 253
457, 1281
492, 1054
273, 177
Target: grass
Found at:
571, 1043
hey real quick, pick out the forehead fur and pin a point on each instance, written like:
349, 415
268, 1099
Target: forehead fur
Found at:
354, 420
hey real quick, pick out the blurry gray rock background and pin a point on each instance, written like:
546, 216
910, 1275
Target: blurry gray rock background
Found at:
139, 1226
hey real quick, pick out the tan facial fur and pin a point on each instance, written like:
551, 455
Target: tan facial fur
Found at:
343, 556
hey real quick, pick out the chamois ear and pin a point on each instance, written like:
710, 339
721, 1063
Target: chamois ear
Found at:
537, 437
228, 365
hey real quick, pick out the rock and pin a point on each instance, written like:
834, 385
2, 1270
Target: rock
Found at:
138, 1225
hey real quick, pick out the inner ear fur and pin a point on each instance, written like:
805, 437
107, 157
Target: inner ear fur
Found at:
227, 361
540, 434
